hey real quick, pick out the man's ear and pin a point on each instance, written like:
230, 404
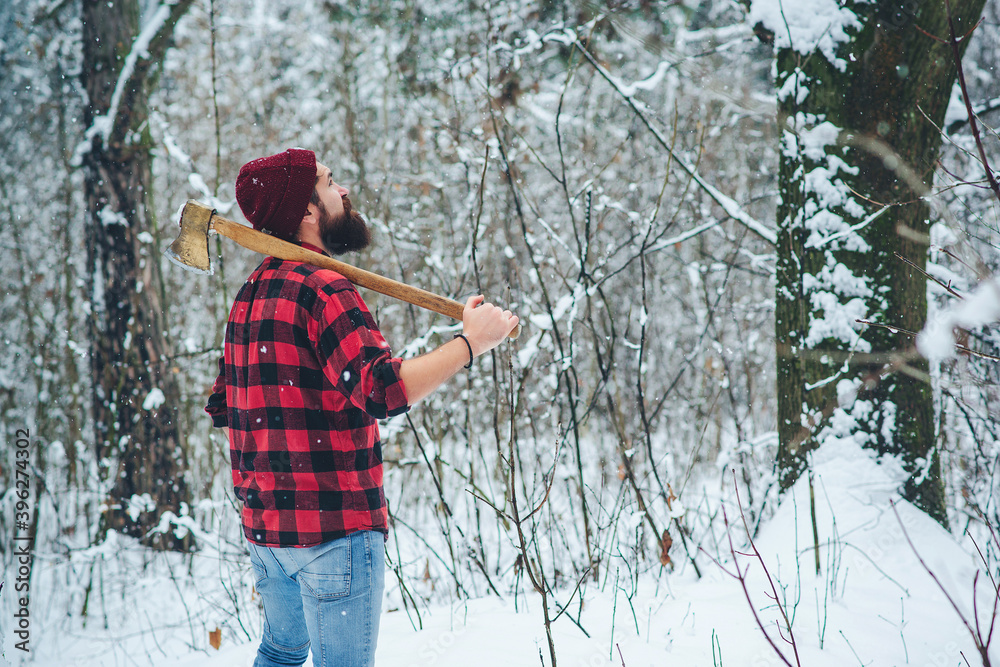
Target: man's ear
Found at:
310, 222
312, 215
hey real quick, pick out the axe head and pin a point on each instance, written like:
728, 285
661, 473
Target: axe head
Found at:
190, 249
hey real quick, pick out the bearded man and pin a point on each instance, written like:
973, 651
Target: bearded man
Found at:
303, 379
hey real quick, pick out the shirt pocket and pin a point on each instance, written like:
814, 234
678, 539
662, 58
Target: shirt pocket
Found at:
329, 576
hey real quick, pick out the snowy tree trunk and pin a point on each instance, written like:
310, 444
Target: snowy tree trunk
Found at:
852, 77
135, 393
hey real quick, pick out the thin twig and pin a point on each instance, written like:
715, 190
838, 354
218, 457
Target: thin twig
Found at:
965, 96
948, 288
958, 346
729, 205
741, 576
774, 590
977, 638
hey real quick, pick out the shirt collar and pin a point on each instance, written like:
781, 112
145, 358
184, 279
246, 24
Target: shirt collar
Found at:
310, 246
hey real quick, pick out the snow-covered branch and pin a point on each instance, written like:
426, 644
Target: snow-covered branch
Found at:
728, 204
147, 49
980, 308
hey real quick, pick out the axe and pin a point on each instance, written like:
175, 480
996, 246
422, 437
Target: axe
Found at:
190, 250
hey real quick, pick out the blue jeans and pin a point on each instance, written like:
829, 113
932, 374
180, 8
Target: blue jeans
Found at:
328, 597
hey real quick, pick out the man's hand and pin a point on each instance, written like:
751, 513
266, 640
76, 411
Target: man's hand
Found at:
486, 325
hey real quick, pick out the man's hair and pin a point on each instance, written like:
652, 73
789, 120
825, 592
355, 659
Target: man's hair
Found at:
314, 197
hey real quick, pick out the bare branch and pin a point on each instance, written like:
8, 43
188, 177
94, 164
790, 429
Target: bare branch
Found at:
953, 40
728, 204
982, 646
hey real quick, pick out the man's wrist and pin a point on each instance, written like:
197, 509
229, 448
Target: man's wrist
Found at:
472, 356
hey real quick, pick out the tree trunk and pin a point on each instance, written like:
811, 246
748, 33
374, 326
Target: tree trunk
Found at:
135, 392
888, 85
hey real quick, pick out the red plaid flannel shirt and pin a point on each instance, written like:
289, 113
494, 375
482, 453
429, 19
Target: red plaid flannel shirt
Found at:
303, 378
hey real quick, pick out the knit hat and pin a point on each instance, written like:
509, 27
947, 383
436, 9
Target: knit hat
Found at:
273, 192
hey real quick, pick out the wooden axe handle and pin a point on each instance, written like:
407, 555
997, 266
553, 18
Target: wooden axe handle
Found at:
269, 245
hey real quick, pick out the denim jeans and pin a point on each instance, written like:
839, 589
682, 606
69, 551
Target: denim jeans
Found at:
327, 597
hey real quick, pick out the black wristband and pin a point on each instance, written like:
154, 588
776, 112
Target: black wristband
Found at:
472, 357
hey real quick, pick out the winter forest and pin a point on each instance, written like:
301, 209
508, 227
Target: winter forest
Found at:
752, 415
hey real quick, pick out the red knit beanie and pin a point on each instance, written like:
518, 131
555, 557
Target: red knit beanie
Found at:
273, 192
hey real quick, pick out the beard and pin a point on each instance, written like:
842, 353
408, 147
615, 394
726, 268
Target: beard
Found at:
343, 233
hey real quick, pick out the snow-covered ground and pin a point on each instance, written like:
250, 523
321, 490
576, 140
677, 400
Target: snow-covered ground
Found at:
872, 603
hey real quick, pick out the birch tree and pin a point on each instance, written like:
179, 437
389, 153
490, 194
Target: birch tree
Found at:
862, 88
139, 441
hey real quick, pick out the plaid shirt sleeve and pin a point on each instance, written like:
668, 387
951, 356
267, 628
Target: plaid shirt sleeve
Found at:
216, 407
355, 357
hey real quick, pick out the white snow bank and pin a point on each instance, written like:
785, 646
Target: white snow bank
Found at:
871, 602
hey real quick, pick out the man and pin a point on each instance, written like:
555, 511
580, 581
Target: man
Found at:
304, 376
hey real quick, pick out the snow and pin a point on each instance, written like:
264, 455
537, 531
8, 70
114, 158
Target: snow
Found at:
793, 85
813, 141
979, 308
666, 243
194, 178
154, 399
871, 601
806, 25
837, 321
649, 83
140, 49
728, 204
956, 110
138, 504
110, 217
838, 297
